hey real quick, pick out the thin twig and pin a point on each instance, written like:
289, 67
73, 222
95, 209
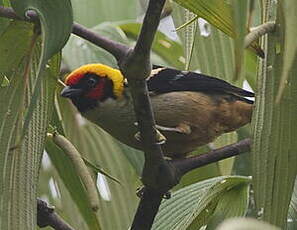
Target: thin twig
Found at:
257, 32
46, 216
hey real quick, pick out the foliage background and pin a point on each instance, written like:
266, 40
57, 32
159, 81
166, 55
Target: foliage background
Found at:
206, 196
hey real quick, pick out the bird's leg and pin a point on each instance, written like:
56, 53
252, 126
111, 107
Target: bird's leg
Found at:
161, 139
181, 128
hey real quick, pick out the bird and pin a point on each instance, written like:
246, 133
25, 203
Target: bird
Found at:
190, 109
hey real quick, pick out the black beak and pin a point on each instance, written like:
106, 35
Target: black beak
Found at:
70, 92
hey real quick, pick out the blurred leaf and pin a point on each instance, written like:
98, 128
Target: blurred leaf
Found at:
292, 214
223, 140
20, 161
274, 136
56, 25
85, 52
166, 48
288, 11
246, 224
92, 12
239, 16
193, 206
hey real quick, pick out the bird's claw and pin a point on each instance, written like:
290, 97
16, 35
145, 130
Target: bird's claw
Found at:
140, 191
160, 138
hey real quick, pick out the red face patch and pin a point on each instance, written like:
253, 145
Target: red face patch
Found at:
73, 79
98, 91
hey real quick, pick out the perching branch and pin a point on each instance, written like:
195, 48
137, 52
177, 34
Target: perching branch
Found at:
46, 216
187, 164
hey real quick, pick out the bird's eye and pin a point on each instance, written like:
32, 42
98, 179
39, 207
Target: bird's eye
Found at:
91, 82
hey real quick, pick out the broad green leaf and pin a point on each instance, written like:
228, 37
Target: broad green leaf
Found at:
193, 206
171, 51
232, 203
56, 25
20, 163
56, 22
246, 224
96, 145
288, 15
274, 135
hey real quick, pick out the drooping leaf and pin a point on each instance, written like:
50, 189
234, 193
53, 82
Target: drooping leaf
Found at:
20, 161
274, 135
91, 13
240, 17
193, 206
56, 25
288, 14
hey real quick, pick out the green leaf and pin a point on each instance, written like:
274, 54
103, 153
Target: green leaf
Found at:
91, 13
166, 48
213, 52
85, 52
219, 14
56, 25
292, 214
20, 164
216, 12
193, 206
232, 203
288, 15
274, 136
239, 16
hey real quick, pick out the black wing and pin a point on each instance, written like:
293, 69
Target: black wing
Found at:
164, 80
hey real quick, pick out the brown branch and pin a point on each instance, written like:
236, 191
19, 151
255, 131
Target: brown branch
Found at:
187, 164
46, 216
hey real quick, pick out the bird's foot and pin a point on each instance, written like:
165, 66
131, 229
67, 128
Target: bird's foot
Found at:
140, 191
160, 138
